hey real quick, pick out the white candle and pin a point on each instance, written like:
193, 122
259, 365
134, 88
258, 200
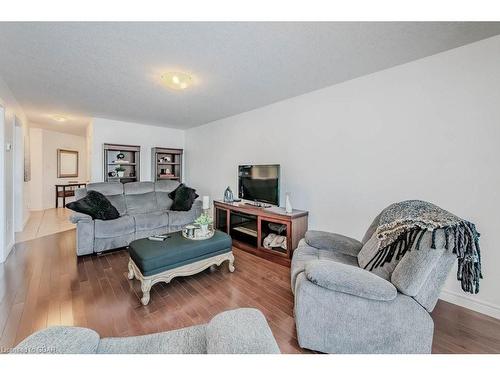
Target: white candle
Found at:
206, 202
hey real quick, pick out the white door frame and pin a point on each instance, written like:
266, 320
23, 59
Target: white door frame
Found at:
3, 250
18, 174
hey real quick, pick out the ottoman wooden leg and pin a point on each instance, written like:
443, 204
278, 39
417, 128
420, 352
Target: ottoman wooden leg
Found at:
231, 263
130, 270
145, 287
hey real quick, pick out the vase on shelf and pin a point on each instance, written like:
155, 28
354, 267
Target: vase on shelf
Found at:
120, 173
288, 204
228, 195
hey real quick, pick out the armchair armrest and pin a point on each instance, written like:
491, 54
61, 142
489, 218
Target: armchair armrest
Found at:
333, 241
79, 217
349, 279
240, 331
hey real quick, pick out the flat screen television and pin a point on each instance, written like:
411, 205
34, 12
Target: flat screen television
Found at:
260, 183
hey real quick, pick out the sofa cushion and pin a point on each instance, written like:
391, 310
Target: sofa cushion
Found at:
141, 203
179, 218
118, 201
183, 199
96, 205
166, 186
150, 220
240, 331
191, 340
368, 251
333, 241
162, 189
60, 340
350, 280
138, 187
114, 228
305, 253
106, 188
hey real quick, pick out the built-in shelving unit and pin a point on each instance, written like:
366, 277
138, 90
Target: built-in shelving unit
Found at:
166, 163
126, 157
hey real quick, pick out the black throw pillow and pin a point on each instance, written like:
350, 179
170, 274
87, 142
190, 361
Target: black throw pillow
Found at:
96, 205
183, 198
171, 195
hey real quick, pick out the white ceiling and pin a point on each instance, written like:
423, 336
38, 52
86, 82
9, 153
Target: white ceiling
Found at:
112, 70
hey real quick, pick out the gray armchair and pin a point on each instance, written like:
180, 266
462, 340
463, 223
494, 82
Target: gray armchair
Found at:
343, 308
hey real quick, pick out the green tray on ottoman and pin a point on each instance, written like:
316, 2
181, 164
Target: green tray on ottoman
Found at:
152, 262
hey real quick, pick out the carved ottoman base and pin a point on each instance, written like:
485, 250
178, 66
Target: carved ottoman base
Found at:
189, 269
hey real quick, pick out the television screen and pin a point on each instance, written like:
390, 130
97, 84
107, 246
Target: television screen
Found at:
259, 183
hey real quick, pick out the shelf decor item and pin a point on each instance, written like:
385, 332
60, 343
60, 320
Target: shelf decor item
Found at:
124, 158
166, 163
228, 195
288, 204
120, 171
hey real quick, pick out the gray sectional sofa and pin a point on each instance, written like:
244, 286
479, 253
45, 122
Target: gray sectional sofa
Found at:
144, 209
240, 331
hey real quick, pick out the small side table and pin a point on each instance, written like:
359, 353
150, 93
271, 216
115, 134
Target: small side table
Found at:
66, 190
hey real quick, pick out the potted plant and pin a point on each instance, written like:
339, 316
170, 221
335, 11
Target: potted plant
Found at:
120, 171
203, 221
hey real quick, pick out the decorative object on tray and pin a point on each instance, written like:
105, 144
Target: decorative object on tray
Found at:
112, 173
193, 232
120, 171
228, 195
288, 204
206, 202
204, 221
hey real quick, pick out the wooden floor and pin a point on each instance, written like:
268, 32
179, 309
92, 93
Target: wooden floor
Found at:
43, 283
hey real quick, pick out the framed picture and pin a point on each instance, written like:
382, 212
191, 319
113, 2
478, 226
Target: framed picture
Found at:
67, 163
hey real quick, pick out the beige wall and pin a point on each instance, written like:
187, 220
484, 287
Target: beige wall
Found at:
44, 145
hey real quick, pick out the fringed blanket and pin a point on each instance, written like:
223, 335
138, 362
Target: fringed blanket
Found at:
403, 223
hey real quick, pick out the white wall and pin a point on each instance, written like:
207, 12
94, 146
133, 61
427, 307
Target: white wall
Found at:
429, 129
44, 145
11, 110
127, 133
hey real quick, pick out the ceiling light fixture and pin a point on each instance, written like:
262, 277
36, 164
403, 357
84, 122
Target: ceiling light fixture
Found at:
59, 118
177, 80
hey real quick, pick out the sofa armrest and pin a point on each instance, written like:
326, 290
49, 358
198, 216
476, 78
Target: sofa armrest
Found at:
333, 242
59, 340
240, 331
78, 216
350, 280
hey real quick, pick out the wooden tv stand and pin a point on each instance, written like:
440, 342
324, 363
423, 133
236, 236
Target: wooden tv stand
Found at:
248, 226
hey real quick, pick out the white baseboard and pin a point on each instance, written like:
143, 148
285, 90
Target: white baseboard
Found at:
471, 303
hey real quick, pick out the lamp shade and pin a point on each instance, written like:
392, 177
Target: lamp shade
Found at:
206, 202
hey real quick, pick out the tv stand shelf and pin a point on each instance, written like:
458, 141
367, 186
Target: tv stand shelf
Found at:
249, 225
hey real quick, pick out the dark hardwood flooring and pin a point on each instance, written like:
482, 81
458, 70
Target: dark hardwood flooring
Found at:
43, 283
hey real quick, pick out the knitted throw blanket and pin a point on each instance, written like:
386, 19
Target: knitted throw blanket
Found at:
403, 223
